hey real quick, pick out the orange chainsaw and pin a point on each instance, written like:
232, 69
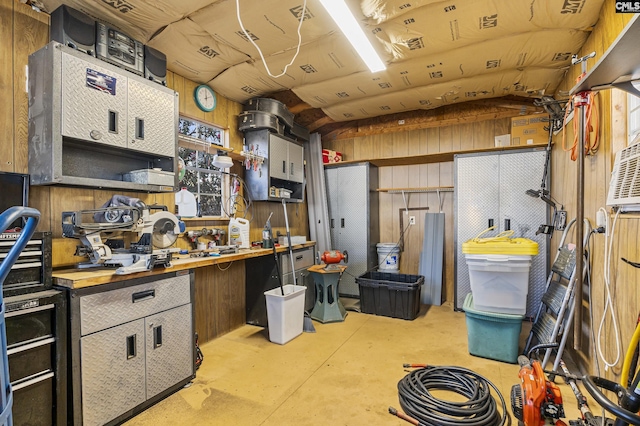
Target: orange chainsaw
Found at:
536, 401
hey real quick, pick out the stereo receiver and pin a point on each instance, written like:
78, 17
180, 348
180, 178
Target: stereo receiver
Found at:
119, 49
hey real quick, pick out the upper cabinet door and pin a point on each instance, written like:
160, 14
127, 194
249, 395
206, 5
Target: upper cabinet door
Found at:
151, 119
94, 103
278, 158
296, 163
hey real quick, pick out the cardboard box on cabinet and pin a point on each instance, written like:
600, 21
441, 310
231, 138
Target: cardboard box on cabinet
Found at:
529, 129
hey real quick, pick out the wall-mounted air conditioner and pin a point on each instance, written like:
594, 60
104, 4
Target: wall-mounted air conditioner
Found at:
624, 187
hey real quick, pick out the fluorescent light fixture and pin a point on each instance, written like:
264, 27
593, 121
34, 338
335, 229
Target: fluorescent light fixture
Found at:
352, 30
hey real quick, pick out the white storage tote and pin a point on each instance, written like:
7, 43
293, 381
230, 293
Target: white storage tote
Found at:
499, 272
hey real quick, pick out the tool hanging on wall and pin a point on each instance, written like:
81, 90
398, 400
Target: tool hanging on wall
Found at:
559, 218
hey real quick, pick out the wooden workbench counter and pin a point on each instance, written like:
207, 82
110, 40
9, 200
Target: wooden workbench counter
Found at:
81, 278
219, 286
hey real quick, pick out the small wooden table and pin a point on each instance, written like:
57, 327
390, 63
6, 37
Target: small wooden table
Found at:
328, 307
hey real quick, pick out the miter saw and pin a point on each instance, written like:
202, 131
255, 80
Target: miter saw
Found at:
155, 232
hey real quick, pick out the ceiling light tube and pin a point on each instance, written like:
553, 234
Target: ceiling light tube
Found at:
352, 30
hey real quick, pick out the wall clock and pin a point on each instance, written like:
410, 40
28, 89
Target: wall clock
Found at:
205, 98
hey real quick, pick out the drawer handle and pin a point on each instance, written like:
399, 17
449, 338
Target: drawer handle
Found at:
36, 379
157, 337
31, 345
299, 257
143, 295
131, 346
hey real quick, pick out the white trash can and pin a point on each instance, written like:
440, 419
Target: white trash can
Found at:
285, 313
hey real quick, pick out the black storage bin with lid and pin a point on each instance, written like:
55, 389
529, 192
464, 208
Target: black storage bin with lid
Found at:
389, 294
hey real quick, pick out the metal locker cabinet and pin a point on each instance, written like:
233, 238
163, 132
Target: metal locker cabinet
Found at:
296, 163
103, 114
353, 218
278, 158
492, 186
113, 372
168, 348
151, 123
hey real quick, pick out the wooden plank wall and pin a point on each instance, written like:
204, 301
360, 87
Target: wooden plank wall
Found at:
219, 294
468, 135
626, 299
23, 31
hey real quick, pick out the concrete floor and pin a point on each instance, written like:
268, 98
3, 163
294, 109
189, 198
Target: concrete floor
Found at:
344, 374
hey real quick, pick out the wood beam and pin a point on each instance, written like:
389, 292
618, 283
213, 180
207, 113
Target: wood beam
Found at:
431, 122
319, 123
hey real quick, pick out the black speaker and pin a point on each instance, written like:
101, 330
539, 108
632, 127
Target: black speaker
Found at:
74, 29
155, 65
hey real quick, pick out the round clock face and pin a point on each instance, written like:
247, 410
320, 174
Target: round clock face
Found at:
205, 98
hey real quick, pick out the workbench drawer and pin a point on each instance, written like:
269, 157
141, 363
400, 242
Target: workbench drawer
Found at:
108, 309
302, 259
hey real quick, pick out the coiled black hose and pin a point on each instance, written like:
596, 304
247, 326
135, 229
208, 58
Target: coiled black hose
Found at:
480, 409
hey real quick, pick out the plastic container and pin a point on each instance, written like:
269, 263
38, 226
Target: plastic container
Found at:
151, 177
499, 283
239, 232
390, 294
499, 273
491, 335
388, 257
186, 202
285, 314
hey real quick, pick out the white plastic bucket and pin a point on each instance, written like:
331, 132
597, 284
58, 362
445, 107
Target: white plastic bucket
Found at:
388, 257
285, 313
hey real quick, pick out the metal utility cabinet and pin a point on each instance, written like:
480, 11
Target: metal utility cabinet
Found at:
91, 123
490, 189
283, 166
132, 343
353, 218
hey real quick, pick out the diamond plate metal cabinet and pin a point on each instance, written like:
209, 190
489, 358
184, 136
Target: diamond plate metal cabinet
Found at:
91, 122
353, 218
113, 372
491, 187
132, 343
169, 352
283, 166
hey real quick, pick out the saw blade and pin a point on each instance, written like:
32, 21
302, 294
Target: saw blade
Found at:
163, 234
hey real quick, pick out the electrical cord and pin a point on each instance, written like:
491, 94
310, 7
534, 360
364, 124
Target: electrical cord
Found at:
591, 124
250, 38
423, 408
590, 295
608, 306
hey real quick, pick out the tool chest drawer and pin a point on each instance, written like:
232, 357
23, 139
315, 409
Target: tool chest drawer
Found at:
108, 309
302, 259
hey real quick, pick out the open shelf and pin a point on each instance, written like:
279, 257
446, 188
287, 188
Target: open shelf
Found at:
437, 157
619, 66
416, 190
